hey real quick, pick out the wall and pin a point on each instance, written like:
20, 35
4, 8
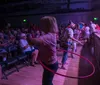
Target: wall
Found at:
61, 18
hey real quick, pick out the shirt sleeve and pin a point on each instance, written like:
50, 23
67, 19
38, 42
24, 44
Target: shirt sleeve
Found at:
37, 41
70, 33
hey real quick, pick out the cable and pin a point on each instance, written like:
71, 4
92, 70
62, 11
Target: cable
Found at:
80, 77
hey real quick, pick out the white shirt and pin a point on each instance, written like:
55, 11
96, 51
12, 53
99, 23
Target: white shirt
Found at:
70, 32
93, 26
87, 30
24, 43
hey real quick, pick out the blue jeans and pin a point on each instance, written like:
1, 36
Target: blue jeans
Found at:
47, 75
65, 56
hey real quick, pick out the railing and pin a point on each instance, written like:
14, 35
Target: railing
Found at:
96, 46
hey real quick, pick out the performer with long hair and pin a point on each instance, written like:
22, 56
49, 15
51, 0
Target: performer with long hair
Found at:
47, 47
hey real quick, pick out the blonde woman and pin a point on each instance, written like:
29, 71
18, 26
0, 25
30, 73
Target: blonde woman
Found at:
47, 47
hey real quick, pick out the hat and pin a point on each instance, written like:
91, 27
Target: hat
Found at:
23, 35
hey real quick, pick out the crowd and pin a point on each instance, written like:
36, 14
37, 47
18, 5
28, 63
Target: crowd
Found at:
74, 34
16, 40
68, 37
11, 39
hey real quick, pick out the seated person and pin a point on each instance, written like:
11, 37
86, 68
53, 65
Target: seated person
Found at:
28, 49
3, 46
12, 47
13, 41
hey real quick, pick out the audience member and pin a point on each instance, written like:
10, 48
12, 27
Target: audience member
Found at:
27, 49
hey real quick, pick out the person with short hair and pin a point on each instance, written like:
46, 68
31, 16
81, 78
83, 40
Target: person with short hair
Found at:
93, 27
27, 49
68, 41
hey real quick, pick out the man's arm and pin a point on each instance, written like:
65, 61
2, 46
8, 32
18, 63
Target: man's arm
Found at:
76, 40
70, 32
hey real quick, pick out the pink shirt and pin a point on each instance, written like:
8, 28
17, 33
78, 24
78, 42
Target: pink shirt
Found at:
47, 50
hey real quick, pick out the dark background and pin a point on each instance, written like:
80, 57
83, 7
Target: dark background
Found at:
14, 11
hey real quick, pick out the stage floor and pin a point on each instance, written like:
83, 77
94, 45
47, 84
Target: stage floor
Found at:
33, 75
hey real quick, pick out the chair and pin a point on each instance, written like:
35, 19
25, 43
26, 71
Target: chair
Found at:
3, 66
29, 55
12, 61
23, 57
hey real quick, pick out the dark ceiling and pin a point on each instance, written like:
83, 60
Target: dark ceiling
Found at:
13, 6
2, 2
10, 1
